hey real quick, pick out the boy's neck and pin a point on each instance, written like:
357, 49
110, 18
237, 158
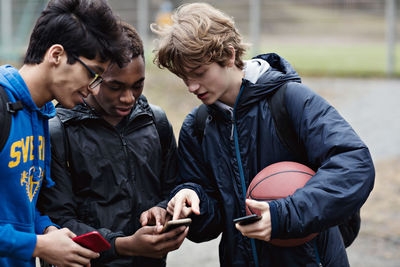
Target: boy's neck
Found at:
36, 79
231, 96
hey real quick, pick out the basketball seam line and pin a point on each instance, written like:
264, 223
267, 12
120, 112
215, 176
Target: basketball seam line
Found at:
273, 175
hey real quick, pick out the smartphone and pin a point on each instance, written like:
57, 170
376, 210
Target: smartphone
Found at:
93, 241
169, 225
247, 219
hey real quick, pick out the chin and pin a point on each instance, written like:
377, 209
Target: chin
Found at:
68, 104
209, 101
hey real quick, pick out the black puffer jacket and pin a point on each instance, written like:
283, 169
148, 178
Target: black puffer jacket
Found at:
114, 174
239, 143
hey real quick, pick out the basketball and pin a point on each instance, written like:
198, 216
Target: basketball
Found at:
279, 180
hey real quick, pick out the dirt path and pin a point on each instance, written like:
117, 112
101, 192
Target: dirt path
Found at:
372, 107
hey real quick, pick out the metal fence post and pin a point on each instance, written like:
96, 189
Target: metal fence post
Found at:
254, 14
142, 20
6, 27
390, 10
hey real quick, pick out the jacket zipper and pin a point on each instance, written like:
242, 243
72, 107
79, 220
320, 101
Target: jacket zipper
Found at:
234, 135
316, 252
130, 178
129, 181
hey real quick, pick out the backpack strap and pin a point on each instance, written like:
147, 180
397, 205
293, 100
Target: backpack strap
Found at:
58, 136
200, 118
6, 109
284, 126
163, 127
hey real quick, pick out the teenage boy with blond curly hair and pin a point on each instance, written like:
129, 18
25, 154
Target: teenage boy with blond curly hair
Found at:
204, 48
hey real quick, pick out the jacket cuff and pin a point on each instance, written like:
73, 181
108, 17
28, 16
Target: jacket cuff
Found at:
192, 186
163, 204
23, 245
42, 223
112, 252
273, 210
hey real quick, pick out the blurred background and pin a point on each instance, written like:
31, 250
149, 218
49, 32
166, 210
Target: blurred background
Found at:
346, 50
350, 37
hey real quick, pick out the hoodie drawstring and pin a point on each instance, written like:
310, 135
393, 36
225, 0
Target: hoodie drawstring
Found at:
38, 173
47, 154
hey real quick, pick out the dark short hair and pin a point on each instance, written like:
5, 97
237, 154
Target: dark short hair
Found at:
85, 28
135, 42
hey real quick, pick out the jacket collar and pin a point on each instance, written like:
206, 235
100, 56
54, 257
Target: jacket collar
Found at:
84, 111
265, 80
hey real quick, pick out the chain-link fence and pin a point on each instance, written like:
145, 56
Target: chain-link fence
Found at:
269, 25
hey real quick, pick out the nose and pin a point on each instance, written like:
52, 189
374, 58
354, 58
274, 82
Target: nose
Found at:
127, 96
192, 85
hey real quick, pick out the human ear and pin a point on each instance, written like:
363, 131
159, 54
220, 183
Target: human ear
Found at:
54, 54
231, 61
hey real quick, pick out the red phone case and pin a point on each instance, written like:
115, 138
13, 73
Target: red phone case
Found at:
93, 241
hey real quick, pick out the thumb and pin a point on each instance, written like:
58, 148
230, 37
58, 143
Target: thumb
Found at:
158, 219
196, 205
143, 218
258, 205
68, 232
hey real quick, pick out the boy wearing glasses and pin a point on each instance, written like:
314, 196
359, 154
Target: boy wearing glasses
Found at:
204, 48
72, 43
127, 166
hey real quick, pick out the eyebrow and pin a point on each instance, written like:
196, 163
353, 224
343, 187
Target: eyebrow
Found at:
96, 68
121, 83
139, 81
192, 71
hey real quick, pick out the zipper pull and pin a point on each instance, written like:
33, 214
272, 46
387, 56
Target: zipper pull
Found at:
123, 139
232, 122
232, 128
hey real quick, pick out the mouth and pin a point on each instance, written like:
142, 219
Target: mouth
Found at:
202, 95
123, 111
128, 108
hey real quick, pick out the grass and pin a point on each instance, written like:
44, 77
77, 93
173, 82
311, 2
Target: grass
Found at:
337, 60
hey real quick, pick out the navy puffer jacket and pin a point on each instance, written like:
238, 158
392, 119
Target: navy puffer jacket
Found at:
237, 145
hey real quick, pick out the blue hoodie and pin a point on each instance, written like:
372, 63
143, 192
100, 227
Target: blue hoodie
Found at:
24, 162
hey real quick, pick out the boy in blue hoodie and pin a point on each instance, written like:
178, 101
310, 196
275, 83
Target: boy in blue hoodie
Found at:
72, 43
204, 48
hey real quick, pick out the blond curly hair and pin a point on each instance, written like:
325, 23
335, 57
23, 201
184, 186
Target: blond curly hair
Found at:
200, 35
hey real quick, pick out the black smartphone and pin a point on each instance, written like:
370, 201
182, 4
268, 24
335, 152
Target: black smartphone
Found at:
247, 219
168, 226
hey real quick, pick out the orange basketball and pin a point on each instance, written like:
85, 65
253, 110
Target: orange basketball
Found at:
276, 181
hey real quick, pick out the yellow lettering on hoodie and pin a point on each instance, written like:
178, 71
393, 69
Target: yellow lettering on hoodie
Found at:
14, 154
25, 148
41, 148
31, 154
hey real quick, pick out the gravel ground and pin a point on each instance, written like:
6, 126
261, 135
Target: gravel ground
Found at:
371, 107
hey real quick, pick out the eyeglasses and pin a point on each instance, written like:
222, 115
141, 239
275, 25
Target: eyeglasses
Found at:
97, 79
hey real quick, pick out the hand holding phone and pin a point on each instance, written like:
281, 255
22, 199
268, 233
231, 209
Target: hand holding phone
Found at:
93, 241
247, 219
169, 225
